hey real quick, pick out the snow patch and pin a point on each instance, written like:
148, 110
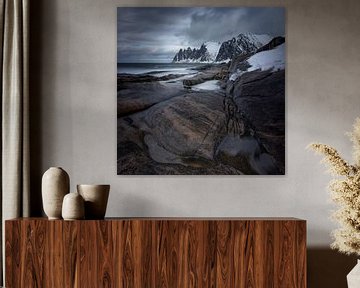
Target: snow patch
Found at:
190, 61
266, 60
223, 61
207, 85
213, 49
272, 59
236, 75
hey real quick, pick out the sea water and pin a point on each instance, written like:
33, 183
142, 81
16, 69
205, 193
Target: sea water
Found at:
157, 69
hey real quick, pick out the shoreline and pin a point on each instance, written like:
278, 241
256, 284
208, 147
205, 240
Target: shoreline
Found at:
169, 125
156, 89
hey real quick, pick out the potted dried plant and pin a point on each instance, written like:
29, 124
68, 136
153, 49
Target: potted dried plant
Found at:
345, 192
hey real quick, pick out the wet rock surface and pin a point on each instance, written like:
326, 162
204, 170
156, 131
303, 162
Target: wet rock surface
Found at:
138, 92
171, 129
260, 98
207, 73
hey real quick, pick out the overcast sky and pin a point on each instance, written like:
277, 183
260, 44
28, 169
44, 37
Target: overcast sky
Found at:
157, 34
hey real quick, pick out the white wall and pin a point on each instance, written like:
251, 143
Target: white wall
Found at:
77, 115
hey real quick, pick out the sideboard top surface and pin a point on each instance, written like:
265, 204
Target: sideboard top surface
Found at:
174, 219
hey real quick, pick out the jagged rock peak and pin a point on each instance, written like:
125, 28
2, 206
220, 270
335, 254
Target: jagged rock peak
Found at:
244, 43
272, 44
206, 53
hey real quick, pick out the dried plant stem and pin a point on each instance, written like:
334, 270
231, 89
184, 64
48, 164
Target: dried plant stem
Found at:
345, 192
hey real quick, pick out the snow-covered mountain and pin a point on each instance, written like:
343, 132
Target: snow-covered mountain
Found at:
206, 53
242, 44
213, 49
221, 52
271, 60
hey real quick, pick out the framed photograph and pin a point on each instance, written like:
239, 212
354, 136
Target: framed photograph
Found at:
201, 91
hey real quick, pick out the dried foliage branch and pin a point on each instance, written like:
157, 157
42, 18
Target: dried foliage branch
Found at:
355, 138
345, 192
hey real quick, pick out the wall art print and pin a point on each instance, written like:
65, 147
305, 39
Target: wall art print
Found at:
201, 90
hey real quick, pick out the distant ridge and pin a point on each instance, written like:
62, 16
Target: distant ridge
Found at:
205, 54
210, 52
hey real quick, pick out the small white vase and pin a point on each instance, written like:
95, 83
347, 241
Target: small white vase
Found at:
73, 207
95, 197
55, 185
353, 278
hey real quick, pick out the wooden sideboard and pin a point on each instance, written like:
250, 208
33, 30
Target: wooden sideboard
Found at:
156, 252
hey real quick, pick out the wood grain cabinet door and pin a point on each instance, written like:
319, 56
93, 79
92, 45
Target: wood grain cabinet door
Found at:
141, 253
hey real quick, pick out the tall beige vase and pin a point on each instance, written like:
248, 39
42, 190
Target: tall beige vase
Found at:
96, 198
55, 185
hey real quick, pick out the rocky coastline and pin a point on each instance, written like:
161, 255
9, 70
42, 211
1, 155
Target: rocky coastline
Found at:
167, 125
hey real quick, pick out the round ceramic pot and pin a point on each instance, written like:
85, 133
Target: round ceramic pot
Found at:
55, 185
73, 207
96, 198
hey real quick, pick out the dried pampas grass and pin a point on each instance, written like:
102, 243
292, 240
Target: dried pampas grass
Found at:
345, 191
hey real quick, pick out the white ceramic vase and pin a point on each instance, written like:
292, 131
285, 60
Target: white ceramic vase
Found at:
73, 207
96, 198
353, 278
55, 185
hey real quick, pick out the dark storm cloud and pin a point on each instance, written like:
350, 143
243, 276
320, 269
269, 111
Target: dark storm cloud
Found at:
226, 23
156, 34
